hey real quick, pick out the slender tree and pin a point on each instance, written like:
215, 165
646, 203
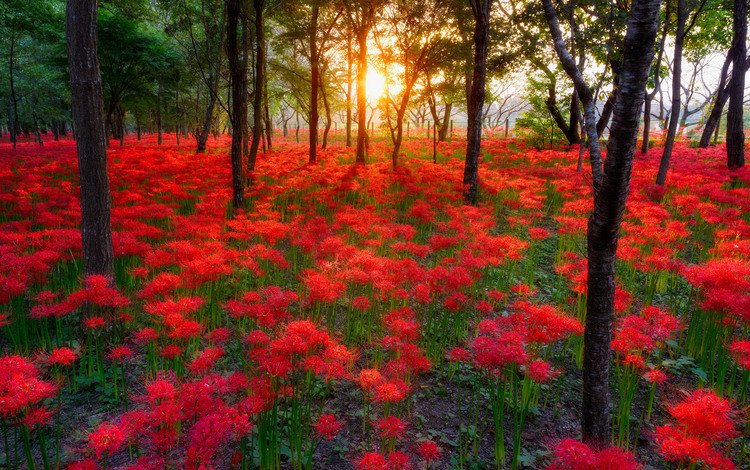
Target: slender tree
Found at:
314, 82
88, 118
238, 77
260, 68
582, 90
604, 223
481, 11
735, 132
674, 115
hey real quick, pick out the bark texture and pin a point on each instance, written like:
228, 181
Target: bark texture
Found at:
604, 223
238, 74
88, 118
481, 11
735, 133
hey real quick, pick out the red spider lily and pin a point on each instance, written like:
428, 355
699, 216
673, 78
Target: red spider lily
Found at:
372, 461
327, 426
106, 439
741, 352
62, 357
429, 451
703, 419
570, 454
21, 389
120, 353
391, 427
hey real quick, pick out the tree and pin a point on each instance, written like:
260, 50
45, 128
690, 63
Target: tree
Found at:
682, 30
481, 11
361, 15
259, 83
582, 89
88, 105
735, 132
604, 222
238, 81
408, 34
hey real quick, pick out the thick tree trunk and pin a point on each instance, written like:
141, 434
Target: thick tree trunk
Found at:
87, 107
604, 223
362, 140
735, 132
674, 116
481, 12
238, 75
260, 61
314, 84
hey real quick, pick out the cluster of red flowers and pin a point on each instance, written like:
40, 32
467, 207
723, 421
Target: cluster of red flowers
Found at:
703, 422
227, 315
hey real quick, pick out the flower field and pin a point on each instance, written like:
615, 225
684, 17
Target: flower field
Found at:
357, 317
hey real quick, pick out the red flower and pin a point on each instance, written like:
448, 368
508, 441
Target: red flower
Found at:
372, 461
429, 451
327, 426
391, 427
106, 439
62, 357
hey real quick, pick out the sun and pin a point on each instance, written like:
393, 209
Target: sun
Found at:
375, 84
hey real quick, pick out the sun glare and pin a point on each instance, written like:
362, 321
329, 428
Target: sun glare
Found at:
375, 84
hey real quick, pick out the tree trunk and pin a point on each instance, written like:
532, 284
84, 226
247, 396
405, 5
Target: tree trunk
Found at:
735, 133
260, 60
87, 107
481, 12
158, 115
13, 98
582, 89
349, 91
238, 75
649, 97
722, 95
329, 119
314, 84
604, 223
646, 122
674, 116
362, 139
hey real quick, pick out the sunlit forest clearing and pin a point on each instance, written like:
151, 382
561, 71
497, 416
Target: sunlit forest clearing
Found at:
374, 234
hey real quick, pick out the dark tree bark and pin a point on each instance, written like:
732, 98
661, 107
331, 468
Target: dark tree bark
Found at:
13, 99
722, 95
238, 77
674, 116
314, 83
88, 113
604, 223
481, 11
158, 116
735, 132
260, 66
649, 96
582, 89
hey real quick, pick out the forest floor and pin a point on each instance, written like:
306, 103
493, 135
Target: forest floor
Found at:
428, 320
